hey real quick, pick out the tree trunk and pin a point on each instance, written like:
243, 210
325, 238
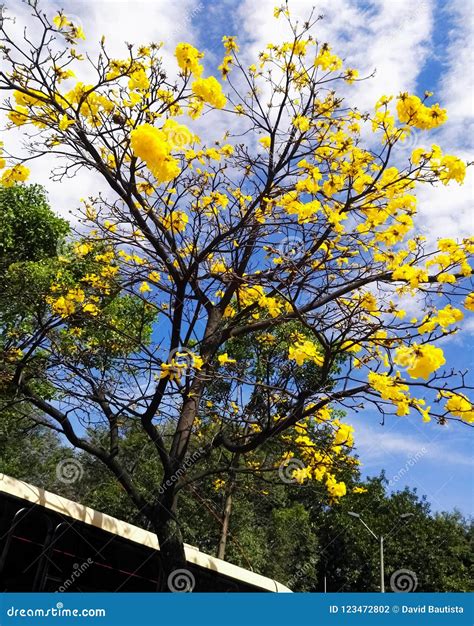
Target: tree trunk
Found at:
175, 574
228, 508
225, 524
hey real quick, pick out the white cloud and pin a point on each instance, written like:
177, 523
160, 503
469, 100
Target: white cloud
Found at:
382, 445
389, 37
137, 22
393, 38
446, 211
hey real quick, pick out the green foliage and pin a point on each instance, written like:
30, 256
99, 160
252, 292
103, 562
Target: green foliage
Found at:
29, 452
29, 230
100, 490
301, 542
437, 548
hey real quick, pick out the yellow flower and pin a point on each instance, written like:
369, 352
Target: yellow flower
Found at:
451, 168
60, 21
460, 406
265, 141
344, 435
198, 361
446, 277
413, 112
172, 370
82, 249
19, 115
218, 484
301, 123
144, 287
359, 490
305, 351
224, 359
301, 474
63, 306
390, 388
151, 145
218, 267
176, 221
351, 75
18, 173
420, 361
444, 318
327, 61
335, 489
210, 91
154, 276
65, 122
188, 58
411, 274
90, 308
139, 80
469, 302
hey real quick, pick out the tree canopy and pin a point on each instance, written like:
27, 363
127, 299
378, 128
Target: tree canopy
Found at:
240, 266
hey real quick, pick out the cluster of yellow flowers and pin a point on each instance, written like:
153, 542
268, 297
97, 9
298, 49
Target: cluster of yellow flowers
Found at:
208, 89
447, 167
230, 46
66, 300
175, 221
179, 365
452, 254
306, 350
420, 361
151, 145
469, 301
413, 112
72, 301
318, 464
458, 405
390, 388
71, 31
335, 489
443, 317
188, 58
302, 123
17, 174
248, 295
326, 60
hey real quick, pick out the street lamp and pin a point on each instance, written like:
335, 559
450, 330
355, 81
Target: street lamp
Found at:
380, 540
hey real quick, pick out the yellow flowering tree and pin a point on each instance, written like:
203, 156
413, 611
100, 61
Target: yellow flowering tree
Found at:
303, 211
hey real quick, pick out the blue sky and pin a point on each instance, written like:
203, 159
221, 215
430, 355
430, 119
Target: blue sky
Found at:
413, 46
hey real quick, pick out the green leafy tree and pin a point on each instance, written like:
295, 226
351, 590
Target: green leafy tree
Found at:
29, 230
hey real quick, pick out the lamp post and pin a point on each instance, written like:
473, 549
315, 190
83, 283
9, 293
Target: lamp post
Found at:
381, 545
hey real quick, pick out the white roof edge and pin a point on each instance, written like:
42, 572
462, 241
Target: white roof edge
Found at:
64, 506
